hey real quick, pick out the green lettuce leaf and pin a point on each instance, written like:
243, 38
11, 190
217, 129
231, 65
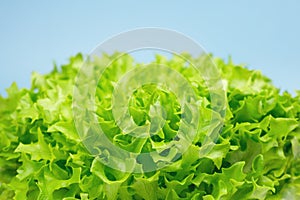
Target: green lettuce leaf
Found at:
256, 155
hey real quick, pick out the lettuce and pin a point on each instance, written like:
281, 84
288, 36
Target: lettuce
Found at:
256, 155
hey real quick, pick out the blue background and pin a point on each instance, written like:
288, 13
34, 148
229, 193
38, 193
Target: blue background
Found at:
262, 34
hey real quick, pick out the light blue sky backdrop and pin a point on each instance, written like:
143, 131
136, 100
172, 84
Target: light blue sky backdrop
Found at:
263, 34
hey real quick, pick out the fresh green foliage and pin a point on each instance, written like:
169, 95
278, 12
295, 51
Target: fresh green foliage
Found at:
256, 156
